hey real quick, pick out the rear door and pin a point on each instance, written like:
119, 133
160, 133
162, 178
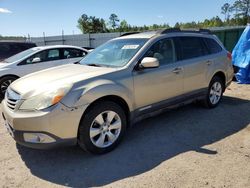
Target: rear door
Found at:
195, 61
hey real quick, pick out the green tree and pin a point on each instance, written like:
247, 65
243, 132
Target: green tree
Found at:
177, 25
124, 26
114, 21
91, 24
83, 23
242, 10
216, 22
225, 10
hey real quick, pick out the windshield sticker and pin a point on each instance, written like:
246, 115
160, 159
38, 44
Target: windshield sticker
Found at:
130, 47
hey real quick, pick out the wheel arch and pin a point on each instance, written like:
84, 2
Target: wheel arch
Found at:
113, 98
221, 75
12, 75
2, 79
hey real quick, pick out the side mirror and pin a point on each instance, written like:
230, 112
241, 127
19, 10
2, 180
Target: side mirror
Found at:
149, 62
36, 60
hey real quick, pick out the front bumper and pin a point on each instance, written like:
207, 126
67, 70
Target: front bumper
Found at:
57, 126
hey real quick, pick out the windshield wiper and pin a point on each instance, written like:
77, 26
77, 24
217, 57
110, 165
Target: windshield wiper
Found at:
93, 65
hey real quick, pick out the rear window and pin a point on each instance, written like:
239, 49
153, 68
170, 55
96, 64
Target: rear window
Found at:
192, 47
213, 46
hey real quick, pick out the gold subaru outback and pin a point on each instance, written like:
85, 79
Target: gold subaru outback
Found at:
122, 81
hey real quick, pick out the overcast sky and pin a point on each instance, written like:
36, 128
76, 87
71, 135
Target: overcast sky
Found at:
23, 17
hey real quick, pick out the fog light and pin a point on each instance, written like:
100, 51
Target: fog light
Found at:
38, 138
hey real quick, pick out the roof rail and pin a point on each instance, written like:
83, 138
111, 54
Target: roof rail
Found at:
129, 33
170, 30
207, 31
176, 30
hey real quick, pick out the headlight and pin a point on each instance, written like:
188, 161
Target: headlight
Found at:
45, 99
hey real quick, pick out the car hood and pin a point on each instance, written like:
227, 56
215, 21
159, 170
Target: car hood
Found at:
61, 75
3, 64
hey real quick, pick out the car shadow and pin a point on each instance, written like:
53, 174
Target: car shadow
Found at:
146, 145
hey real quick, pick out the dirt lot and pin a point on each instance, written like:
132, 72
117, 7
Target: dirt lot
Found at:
186, 147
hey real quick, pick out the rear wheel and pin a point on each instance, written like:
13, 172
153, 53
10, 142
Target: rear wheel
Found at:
214, 93
102, 128
4, 84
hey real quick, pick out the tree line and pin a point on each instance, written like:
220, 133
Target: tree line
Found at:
235, 14
12, 38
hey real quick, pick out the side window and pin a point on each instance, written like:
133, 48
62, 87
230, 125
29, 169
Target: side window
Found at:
38, 57
53, 55
213, 46
163, 50
73, 53
46, 55
192, 47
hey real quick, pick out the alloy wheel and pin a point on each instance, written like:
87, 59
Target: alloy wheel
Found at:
105, 129
215, 93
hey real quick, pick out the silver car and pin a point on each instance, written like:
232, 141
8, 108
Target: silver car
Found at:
36, 59
123, 81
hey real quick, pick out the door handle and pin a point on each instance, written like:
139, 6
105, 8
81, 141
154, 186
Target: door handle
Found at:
177, 70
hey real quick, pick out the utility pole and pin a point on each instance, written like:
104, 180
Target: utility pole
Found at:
44, 39
62, 37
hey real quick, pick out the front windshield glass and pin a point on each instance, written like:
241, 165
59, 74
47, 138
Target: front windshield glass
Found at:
21, 55
115, 53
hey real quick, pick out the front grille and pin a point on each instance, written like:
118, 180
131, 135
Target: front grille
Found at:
12, 99
11, 103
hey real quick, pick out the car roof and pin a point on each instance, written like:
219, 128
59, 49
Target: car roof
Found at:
172, 32
57, 46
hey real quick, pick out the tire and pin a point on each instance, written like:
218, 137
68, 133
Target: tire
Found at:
4, 84
214, 93
102, 119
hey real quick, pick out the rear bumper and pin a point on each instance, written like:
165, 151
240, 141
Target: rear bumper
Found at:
57, 126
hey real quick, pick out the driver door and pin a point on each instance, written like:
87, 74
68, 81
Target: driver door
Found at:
154, 87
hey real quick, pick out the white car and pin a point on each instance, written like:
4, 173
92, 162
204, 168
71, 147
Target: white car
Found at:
36, 59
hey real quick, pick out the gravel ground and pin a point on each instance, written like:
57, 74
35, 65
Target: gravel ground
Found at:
186, 147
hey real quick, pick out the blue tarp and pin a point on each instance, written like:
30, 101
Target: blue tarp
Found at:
241, 57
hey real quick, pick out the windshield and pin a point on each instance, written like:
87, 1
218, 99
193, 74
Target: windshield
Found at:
115, 53
21, 55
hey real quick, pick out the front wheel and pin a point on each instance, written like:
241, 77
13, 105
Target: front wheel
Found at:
4, 84
102, 128
214, 93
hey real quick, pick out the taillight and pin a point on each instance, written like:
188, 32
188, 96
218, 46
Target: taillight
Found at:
229, 56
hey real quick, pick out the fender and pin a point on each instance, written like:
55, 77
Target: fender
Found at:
87, 94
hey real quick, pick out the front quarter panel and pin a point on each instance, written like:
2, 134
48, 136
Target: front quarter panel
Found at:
87, 94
